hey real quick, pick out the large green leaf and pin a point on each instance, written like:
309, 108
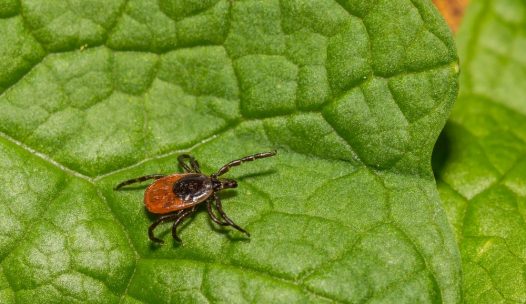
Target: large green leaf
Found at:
481, 163
353, 95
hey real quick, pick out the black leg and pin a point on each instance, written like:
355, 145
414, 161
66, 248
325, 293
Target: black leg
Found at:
213, 216
225, 217
179, 220
238, 162
138, 180
194, 165
162, 219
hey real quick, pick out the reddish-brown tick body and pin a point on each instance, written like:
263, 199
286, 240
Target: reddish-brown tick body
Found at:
176, 196
177, 192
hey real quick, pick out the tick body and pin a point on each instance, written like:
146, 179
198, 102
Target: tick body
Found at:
177, 192
177, 196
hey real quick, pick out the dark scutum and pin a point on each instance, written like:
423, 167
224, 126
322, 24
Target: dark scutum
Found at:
193, 187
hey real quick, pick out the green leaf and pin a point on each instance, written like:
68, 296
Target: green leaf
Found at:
480, 163
353, 94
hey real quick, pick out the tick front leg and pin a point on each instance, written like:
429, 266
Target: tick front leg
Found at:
226, 218
138, 180
162, 219
213, 216
240, 161
179, 220
194, 165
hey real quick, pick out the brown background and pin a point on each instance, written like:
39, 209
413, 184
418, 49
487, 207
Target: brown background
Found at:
452, 10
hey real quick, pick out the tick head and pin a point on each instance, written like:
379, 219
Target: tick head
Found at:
229, 183
223, 183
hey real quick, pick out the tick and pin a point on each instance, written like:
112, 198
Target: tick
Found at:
177, 196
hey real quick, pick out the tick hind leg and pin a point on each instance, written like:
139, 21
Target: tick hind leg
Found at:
194, 165
138, 180
179, 220
162, 219
226, 218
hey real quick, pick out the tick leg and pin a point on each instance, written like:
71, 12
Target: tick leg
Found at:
225, 217
245, 159
162, 219
138, 180
213, 216
179, 220
194, 165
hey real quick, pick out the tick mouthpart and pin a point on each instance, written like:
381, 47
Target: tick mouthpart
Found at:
220, 184
229, 183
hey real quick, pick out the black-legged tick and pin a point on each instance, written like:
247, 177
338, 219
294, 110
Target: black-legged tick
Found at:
177, 196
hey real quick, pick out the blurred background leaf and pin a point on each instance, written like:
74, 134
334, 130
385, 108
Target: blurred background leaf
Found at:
480, 159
